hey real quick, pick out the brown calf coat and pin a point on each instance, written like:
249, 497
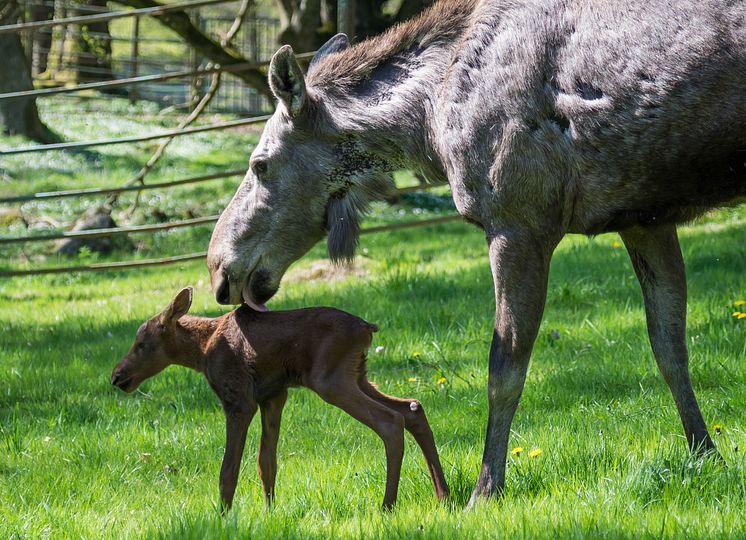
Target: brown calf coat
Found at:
251, 359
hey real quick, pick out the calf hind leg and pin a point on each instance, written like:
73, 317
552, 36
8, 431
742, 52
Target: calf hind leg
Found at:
656, 257
416, 423
387, 423
271, 412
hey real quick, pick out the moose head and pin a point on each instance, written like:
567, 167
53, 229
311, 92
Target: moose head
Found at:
311, 174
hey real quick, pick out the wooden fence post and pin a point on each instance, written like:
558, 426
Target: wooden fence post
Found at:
346, 17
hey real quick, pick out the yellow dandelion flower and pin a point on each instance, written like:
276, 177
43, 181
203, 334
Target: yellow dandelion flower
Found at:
416, 354
412, 379
741, 316
536, 452
616, 244
738, 303
442, 380
517, 451
736, 314
718, 428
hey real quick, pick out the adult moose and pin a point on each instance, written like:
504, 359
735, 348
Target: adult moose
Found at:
546, 118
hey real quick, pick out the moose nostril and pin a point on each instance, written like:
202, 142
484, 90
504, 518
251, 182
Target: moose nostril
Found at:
222, 294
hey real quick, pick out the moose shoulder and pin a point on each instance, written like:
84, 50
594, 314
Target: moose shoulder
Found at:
545, 118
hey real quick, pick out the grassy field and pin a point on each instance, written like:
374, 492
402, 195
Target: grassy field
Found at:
78, 458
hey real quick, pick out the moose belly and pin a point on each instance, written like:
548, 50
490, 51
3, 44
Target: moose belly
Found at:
669, 195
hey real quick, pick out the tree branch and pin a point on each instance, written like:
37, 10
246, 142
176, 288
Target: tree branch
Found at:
204, 102
179, 22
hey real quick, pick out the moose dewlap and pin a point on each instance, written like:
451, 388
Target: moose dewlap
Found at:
251, 358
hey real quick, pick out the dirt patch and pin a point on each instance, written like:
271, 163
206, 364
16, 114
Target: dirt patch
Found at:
325, 270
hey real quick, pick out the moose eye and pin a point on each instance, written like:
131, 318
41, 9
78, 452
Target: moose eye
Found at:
259, 167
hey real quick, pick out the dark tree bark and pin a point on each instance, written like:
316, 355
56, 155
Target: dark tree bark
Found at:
301, 24
180, 23
18, 116
307, 24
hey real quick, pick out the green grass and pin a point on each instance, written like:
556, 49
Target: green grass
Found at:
80, 459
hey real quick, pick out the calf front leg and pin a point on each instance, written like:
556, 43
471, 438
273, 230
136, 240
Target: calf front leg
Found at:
520, 268
236, 425
271, 412
656, 257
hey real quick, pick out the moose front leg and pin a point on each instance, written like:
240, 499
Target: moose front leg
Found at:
520, 268
236, 425
656, 257
271, 412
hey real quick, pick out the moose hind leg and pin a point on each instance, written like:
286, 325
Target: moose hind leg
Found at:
416, 423
656, 258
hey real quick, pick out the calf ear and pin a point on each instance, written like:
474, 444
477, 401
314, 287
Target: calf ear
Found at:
335, 44
287, 81
178, 307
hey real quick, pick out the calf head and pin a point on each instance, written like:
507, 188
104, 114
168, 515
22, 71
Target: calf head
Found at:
153, 349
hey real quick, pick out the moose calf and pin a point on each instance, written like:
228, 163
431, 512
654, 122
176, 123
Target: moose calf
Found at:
251, 358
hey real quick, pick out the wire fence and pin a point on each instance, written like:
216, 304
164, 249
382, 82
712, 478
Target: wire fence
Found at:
100, 85
138, 138
123, 189
107, 16
101, 13
171, 259
130, 55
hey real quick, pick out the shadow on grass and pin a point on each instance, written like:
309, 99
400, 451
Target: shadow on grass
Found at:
79, 353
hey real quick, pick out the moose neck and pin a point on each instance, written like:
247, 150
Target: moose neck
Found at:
193, 335
383, 91
388, 114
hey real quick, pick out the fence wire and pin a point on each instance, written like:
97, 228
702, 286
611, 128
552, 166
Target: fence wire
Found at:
97, 267
107, 16
252, 40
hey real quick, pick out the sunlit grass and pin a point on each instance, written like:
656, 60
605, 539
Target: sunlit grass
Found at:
80, 459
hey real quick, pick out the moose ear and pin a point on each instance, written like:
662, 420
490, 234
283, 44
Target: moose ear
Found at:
178, 307
337, 43
287, 81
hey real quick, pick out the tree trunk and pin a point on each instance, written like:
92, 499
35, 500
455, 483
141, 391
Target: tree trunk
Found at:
18, 116
42, 39
300, 24
305, 25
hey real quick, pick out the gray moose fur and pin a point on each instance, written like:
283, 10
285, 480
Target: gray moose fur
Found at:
546, 118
